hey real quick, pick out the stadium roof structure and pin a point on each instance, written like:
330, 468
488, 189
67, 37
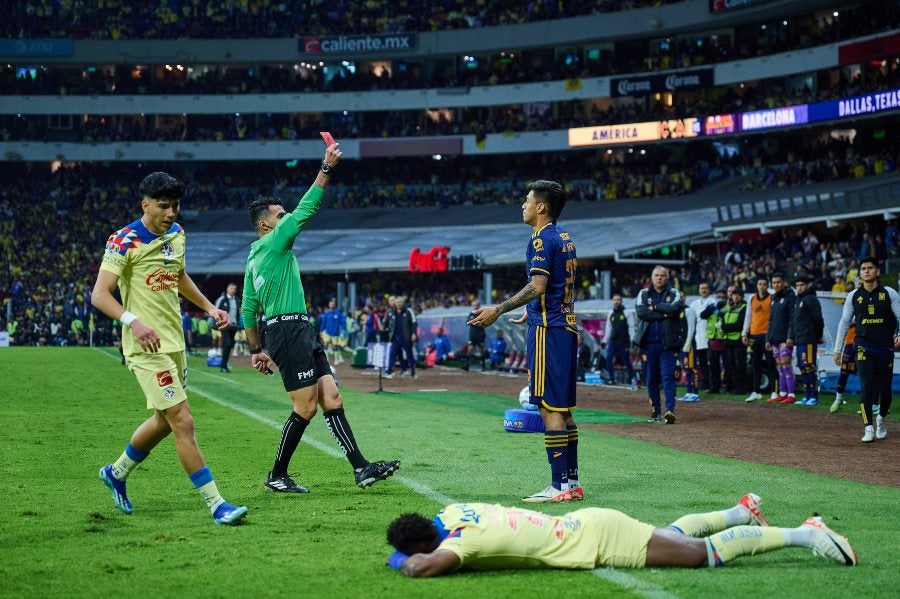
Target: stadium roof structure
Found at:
337, 241
355, 250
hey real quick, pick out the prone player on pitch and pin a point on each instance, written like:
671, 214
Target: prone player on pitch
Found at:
272, 287
481, 536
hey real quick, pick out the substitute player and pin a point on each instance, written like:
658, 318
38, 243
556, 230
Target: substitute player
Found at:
482, 536
876, 311
272, 286
146, 261
550, 264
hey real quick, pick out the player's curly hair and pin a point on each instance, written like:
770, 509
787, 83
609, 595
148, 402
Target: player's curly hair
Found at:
161, 185
259, 207
550, 193
409, 530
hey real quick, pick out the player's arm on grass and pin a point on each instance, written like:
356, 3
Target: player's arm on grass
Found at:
192, 293
103, 299
486, 316
427, 565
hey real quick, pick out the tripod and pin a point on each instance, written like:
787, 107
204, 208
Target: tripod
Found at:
378, 357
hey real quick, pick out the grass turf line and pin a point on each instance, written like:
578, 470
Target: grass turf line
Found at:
73, 410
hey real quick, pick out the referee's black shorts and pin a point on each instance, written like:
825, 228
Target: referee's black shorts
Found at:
297, 350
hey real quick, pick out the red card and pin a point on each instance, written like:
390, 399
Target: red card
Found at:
329, 141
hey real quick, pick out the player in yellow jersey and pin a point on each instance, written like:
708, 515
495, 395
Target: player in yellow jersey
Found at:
483, 536
145, 259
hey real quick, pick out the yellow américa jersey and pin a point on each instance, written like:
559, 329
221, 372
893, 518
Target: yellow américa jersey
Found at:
149, 267
491, 536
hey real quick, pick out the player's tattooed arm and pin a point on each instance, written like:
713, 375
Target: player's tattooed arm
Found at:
486, 316
524, 296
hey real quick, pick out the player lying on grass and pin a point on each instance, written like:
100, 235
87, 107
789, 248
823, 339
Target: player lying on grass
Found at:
483, 536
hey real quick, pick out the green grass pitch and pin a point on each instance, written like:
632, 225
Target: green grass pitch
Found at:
67, 411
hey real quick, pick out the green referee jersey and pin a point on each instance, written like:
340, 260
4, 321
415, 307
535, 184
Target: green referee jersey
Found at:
272, 278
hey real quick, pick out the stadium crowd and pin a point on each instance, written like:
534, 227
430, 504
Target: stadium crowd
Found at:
119, 19
52, 231
479, 121
503, 68
651, 171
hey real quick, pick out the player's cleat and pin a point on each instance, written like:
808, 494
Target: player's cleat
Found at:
690, 398
549, 495
374, 472
387, 375
670, 417
811, 402
789, 398
774, 398
880, 428
827, 543
577, 493
753, 397
868, 434
654, 417
284, 484
836, 405
229, 514
751, 502
116, 489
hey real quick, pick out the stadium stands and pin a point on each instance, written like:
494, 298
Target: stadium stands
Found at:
61, 196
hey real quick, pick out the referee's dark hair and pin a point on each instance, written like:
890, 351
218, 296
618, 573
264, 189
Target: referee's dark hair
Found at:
870, 260
259, 208
160, 185
550, 193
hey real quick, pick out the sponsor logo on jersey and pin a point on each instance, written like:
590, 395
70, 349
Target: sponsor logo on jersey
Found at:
164, 378
161, 280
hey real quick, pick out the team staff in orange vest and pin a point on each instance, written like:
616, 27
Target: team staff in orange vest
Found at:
756, 325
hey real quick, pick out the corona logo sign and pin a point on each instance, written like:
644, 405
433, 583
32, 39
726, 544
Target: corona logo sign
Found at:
435, 260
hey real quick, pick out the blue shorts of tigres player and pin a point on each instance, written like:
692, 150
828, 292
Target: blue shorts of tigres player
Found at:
551, 367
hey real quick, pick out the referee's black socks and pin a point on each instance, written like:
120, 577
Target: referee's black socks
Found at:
340, 429
290, 438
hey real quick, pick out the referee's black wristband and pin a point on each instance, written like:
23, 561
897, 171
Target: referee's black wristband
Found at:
255, 350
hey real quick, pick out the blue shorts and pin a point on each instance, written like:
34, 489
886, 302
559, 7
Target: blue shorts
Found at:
807, 355
551, 367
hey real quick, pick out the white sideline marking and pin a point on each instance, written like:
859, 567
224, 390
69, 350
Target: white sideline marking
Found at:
432, 390
215, 376
627, 581
618, 577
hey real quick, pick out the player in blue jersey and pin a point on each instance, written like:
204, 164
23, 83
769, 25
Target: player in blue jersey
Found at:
552, 335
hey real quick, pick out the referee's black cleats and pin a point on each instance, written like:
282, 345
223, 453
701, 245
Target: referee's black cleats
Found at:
374, 472
284, 484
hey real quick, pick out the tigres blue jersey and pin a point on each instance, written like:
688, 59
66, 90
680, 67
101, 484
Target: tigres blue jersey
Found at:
551, 253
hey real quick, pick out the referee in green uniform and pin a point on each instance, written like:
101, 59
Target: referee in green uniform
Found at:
272, 286
876, 310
